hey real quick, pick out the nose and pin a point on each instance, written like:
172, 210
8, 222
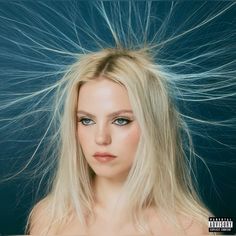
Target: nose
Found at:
103, 136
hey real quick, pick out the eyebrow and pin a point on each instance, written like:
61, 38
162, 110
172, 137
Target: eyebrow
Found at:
116, 113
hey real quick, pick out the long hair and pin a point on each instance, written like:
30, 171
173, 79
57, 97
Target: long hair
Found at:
161, 173
132, 53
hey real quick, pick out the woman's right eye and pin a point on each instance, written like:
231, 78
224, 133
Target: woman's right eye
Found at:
86, 121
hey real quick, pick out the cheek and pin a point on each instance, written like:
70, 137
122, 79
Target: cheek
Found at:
83, 138
130, 139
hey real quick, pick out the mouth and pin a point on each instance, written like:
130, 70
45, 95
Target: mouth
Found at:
104, 157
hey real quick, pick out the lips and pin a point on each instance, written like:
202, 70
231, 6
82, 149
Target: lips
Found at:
104, 157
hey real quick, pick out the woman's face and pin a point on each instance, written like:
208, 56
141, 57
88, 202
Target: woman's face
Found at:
107, 129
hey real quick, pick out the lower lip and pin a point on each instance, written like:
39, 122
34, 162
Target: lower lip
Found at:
104, 159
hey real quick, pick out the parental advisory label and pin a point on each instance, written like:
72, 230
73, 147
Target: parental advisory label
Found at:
220, 224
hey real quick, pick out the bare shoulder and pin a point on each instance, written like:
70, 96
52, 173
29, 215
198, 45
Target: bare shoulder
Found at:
189, 226
39, 219
193, 227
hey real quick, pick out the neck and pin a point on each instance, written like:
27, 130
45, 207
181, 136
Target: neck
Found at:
107, 192
107, 195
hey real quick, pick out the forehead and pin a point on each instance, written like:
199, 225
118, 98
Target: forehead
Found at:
103, 95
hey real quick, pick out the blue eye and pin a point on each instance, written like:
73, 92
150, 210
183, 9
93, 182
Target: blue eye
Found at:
86, 121
121, 121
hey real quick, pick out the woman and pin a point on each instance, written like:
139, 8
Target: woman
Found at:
115, 139
122, 169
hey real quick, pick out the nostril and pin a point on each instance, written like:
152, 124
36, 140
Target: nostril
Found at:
103, 138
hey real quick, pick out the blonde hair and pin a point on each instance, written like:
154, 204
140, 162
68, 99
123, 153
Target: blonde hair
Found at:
174, 62
161, 173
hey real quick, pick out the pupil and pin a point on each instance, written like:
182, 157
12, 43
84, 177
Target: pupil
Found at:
86, 121
120, 121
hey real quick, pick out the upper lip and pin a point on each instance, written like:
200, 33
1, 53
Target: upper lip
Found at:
103, 154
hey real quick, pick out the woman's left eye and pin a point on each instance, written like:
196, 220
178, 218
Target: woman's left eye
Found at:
121, 121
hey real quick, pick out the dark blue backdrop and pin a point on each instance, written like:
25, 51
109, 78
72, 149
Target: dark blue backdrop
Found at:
21, 59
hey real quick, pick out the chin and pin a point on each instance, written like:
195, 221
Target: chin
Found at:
104, 172
110, 173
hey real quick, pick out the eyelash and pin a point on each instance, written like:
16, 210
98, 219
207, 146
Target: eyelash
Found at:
127, 121
81, 120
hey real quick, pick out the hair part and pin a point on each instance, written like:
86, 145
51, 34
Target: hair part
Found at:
161, 173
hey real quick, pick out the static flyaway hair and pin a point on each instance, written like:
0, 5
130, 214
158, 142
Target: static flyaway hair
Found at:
158, 53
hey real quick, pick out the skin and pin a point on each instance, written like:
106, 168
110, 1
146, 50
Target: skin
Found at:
106, 123
100, 130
